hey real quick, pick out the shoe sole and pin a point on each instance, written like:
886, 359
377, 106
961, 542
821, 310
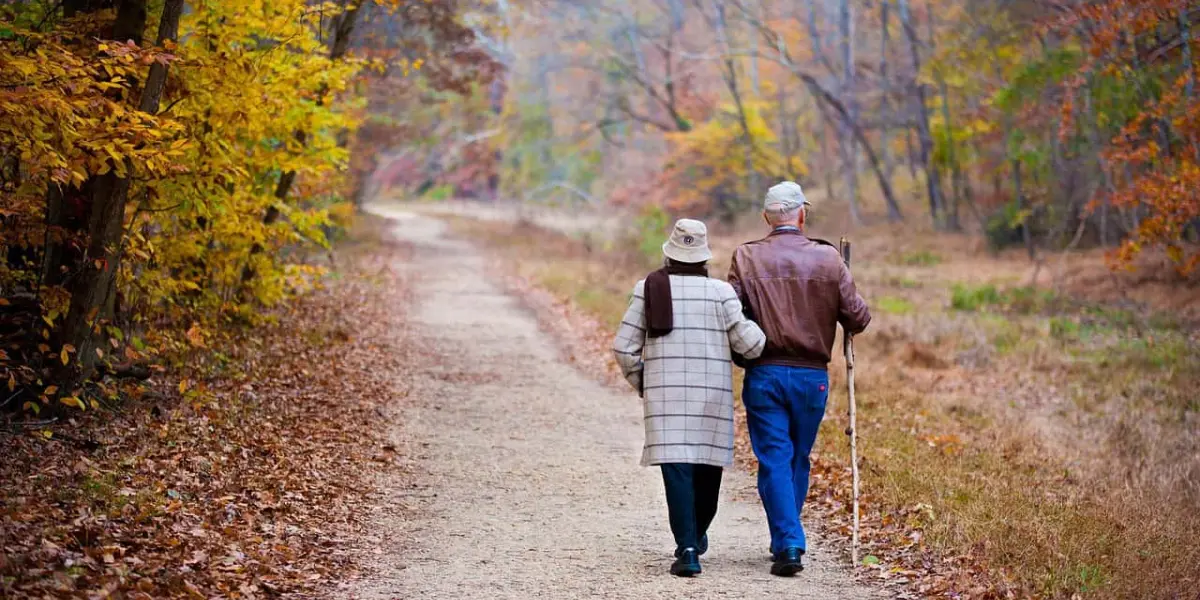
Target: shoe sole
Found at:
686, 573
787, 570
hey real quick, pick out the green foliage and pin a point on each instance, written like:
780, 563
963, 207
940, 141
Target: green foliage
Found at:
439, 193
529, 157
1118, 98
1003, 227
1153, 352
894, 305
1091, 578
1032, 78
1065, 328
969, 298
907, 283
921, 258
650, 230
1020, 300
1029, 300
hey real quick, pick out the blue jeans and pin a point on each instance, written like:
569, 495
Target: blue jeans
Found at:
784, 409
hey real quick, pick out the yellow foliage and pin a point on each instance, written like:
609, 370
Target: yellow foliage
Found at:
242, 102
713, 160
251, 94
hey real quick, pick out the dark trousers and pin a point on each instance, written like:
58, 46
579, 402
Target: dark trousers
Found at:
692, 492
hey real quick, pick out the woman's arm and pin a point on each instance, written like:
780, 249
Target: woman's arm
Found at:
745, 336
631, 338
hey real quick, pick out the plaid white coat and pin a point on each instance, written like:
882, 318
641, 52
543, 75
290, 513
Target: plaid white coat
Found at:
688, 373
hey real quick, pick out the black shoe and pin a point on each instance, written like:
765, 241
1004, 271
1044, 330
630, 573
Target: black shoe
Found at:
788, 562
701, 548
687, 565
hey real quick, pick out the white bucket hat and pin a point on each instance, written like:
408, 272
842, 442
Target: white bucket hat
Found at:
688, 242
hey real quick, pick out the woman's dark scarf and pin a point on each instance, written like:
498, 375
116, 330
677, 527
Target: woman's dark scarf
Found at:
660, 319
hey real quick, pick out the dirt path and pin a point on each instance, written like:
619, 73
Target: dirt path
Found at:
525, 481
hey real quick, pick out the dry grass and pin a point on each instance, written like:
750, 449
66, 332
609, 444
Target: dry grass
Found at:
1048, 441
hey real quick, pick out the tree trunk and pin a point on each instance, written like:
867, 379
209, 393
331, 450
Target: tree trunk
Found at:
1026, 235
950, 213
814, 36
343, 30
1102, 169
847, 142
885, 107
339, 45
826, 158
93, 286
69, 208
956, 177
1014, 161
911, 153
1189, 90
730, 76
925, 138
826, 99
755, 83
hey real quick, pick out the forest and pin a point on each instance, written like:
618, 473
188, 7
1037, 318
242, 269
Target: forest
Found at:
166, 164
156, 189
1045, 125
187, 251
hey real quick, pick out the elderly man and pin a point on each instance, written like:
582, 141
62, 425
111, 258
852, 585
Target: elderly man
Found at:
798, 289
675, 347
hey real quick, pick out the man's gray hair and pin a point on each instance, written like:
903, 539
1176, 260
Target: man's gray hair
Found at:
781, 214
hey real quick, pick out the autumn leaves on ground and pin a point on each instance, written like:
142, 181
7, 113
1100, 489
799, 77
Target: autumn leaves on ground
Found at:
240, 475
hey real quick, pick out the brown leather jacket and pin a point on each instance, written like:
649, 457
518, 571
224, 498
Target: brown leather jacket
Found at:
797, 289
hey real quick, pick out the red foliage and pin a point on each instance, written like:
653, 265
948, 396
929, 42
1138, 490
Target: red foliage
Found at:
1155, 160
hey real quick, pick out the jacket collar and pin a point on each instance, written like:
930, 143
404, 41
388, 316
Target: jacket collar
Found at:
786, 230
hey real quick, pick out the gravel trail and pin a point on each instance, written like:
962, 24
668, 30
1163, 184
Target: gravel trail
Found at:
523, 477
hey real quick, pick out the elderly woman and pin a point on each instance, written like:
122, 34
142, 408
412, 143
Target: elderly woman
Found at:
675, 346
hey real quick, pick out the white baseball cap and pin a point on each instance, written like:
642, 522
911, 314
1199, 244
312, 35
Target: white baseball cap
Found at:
785, 196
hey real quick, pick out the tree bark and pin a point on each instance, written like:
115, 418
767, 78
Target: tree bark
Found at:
911, 152
830, 100
885, 106
925, 138
93, 287
1189, 89
848, 143
729, 74
1026, 235
1102, 169
956, 176
827, 167
951, 212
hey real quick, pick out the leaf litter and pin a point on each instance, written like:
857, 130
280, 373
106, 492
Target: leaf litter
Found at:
238, 476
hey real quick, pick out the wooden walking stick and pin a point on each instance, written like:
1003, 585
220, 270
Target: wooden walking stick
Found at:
852, 429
